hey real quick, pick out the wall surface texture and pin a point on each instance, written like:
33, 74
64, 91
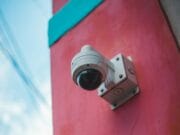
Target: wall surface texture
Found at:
135, 28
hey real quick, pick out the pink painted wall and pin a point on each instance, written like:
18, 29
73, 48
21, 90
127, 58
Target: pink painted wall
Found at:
135, 28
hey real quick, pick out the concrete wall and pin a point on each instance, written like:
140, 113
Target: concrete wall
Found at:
135, 28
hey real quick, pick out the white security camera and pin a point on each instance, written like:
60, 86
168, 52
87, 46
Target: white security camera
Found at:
115, 80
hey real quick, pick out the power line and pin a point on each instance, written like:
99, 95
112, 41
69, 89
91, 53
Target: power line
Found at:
11, 50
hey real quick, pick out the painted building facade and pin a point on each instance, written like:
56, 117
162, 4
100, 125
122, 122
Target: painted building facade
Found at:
134, 28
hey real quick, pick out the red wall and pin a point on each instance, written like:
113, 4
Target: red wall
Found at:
135, 28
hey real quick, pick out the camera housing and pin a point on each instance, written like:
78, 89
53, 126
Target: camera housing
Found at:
89, 68
114, 80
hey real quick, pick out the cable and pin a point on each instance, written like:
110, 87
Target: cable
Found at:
12, 51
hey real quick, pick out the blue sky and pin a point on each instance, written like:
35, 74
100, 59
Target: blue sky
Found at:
25, 96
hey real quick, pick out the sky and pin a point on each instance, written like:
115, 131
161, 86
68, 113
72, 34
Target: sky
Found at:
25, 94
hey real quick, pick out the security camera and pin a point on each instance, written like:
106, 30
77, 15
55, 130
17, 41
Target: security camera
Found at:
114, 79
89, 68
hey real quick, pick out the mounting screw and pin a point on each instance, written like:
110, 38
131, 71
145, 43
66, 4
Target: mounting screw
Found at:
120, 76
114, 104
102, 90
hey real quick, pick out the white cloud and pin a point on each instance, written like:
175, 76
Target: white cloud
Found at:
34, 124
40, 125
42, 121
10, 107
15, 113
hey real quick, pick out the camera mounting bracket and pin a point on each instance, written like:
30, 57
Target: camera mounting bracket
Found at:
123, 85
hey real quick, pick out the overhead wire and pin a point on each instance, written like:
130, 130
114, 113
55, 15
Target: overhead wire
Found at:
11, 50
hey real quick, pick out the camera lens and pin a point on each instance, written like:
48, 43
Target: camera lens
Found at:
89, 79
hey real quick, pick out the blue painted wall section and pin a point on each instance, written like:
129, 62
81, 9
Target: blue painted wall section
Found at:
69, 16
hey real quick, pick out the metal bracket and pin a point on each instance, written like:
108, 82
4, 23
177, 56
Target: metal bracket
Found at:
124, 85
